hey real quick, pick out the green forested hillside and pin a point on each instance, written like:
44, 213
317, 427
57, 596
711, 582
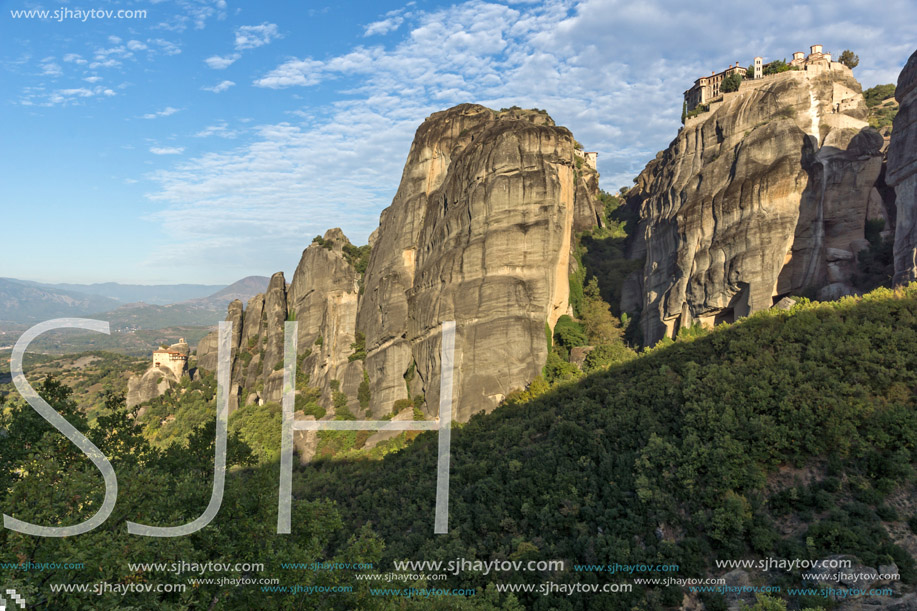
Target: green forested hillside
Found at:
686, 439
786, 435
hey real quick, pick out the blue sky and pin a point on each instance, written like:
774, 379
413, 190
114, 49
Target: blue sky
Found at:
213, 139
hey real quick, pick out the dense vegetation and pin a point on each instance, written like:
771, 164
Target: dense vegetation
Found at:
697, 440
731, 83
90, 375
882, 106
682, 454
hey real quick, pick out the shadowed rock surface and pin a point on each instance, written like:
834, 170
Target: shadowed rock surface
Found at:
902, 173
765, 195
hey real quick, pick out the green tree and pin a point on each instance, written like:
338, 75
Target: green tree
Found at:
359, 347
878, 94
849, 59
363, 392
731, 83
569, 333
775, 67
601, 326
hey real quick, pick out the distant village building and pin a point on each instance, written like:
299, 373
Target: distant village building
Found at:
707, 88
173, 358
591, 158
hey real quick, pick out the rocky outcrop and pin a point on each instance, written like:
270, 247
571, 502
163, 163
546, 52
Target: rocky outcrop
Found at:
154, 382
160, 377
324, 296
902, 173
765, 195
479, 232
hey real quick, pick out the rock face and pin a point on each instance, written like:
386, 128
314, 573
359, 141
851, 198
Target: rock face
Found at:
902, 173
479, 232
165, 373
765, 195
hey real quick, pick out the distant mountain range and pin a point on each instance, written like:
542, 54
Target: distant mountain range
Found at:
22, 302
127, 307
157, 294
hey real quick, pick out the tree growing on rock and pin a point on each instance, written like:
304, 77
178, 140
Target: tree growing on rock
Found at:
849, 59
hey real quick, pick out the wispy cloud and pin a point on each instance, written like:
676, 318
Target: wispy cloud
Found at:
292, 73
391, 22
165, 112
74, 58
165, 46
611, 70
253, 36
219, 87
73, 96
218, 62
193, 13
220, 130
167, 150
50, 68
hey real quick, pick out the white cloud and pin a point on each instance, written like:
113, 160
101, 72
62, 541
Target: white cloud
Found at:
295, 72
166, 46
221, 62
136, 45
193, 12
108, 63
167, 150
93, 79
74, 58
612, 71
50, 68
392, 21
253, 36
114, 40
74, 96
220, 130
219, 87
165, 112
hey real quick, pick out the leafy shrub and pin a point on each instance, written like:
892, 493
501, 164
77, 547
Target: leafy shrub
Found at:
309, 407
401, 404
358, 346
731, 83
364, 395
357, 256
776, 67
878, 94
569, 333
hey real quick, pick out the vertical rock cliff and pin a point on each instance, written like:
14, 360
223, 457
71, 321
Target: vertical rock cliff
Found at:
902, 173
765, 195
479, 232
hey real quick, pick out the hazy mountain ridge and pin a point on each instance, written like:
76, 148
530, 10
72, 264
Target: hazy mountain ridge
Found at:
158, 294
21, 302
137, 328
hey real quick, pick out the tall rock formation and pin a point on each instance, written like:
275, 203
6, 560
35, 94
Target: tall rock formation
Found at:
765, 195
479, 232
902, 173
